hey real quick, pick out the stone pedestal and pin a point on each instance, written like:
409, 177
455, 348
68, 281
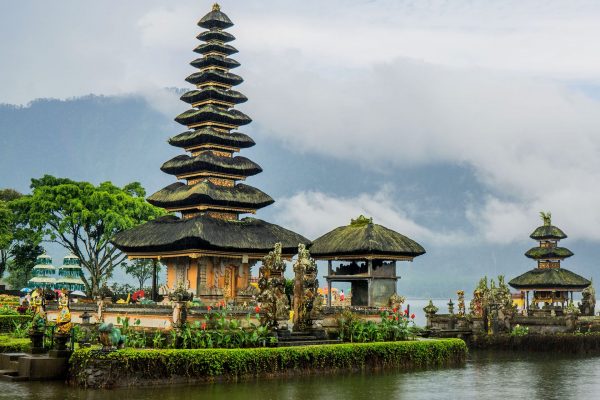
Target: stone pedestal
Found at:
37, 342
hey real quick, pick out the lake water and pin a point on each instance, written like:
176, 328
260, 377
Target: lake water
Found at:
487, 375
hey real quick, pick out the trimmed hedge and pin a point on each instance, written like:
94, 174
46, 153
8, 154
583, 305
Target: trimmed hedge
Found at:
9, 344
7, 322
575, 343
93, 368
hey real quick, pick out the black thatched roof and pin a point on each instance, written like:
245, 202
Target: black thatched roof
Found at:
171, 234
207, 161
549, 278
546, 232
215, 34
543, 253
210, 112
215, 19
364, 238
222, 48
214, 61
209, 135
213, 93
214, 75
181, 195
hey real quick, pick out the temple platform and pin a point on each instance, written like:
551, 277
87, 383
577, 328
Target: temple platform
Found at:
32, 367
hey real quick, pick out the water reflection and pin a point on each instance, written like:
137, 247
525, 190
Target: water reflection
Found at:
487, 375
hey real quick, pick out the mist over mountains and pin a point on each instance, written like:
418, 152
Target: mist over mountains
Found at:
123, 139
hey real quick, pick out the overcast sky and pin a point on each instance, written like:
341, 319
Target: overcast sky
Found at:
509, 90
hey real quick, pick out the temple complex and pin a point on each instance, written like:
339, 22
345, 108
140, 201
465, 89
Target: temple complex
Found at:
209, 250
552, 287
366, 256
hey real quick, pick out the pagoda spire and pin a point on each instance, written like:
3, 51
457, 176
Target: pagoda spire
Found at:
211, 169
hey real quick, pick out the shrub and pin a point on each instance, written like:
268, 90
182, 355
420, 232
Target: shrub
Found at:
10, 344
130, 366
7, 322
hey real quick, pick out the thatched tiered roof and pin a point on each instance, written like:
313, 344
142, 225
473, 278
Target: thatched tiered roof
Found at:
364, 239
549, 278
203, 234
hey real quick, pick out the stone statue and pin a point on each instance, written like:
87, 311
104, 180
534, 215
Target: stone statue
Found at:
63, 320
37, 305
476, 305
111, 337
396, 301
305, 289
271, 285
461, 303
587, 306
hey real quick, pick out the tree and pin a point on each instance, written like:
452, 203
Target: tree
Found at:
141, 269
82, 218
19, 267
19, 246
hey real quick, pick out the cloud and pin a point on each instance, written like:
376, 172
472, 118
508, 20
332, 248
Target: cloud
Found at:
315, 213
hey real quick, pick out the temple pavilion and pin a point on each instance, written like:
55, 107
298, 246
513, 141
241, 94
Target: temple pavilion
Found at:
70, 274
42, 274
208, 249
365, 254
551, 285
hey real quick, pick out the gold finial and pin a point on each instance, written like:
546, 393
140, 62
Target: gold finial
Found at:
216, 7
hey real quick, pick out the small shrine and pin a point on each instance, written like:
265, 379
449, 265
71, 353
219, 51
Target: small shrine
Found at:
366, 255
42, 274
551, 285
70, 274
208, 249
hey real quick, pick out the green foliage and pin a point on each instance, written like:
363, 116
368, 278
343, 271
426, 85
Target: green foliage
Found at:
394, 325
7, 322
10, 344
216, 331
141, 269
519, 330
15, 241
83, 217
232, 364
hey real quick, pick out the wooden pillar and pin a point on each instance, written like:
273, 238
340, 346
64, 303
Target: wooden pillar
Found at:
328, 293
370, 283
329, 268
154, 279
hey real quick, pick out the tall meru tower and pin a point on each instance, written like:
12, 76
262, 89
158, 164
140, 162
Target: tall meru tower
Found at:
209, 250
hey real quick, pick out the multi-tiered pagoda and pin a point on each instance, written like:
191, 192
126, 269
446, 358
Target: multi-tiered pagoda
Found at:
42, 274
550, 284
209, 250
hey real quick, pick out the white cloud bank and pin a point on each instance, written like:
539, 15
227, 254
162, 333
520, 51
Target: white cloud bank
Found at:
315, 213
385, 83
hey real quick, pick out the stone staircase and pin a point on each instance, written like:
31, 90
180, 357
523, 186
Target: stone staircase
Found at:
303, 339
25, 367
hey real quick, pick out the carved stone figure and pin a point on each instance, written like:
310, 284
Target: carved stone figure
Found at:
305, 289
396, 301
587, 306
63, 320
271, 285
111, 337
461, 303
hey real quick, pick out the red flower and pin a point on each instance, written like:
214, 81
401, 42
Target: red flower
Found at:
395, 309
406, 312
208, 308
412, 316
257, 309
203, 326
396, 318
390, 316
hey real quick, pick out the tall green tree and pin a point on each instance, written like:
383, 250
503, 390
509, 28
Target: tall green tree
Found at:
19, 247
141, 269
24, 255
82, 218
